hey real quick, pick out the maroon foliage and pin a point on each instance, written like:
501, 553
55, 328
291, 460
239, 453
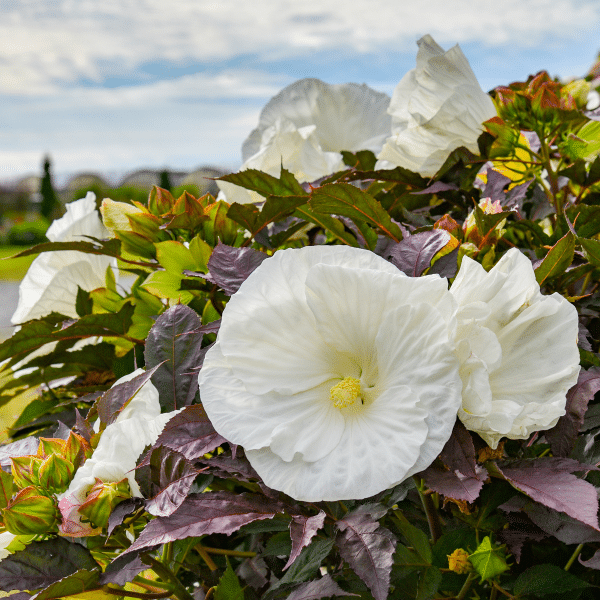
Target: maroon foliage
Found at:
302, 530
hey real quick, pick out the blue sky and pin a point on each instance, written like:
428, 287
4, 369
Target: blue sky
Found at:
120, 84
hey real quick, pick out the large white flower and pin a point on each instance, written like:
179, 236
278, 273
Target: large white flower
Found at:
335, 372
435, 108
6, 539
121, 443
52, 279
307, 125
517, 349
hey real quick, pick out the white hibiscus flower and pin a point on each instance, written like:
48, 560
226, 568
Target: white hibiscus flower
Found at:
307, 125
6, 539
114, 459
435, 108
517, 349
52, 279
335, 372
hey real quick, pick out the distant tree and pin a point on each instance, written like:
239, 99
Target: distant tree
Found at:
165, 180
49, 197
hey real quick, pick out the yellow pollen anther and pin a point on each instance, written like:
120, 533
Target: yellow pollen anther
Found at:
345, 392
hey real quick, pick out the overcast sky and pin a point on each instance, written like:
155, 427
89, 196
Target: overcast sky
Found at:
115, 85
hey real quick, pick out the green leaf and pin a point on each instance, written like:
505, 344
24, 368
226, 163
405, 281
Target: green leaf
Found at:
266, 185
331, 224
487, 560
108, 248
307, 564
576, 172
414, 536
540, 580
363, 160
69, 586
558, 259
175, 257
348, 201
591, 248
429, 582
229, 587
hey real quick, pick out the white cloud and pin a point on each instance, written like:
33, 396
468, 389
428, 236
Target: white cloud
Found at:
45, 42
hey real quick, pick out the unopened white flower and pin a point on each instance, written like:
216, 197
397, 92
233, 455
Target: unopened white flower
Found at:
335, 372
436, 107
517, 349
307, 125
50, 284
138, 425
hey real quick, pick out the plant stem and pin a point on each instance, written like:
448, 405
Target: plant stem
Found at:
465, 588
237, 553
433, 518
575, 554
155, 596
165, 573
201, 550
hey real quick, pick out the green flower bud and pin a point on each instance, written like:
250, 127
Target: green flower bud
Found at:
24, 470
50, 446
30, 513
578, 90
55, 474
101, 500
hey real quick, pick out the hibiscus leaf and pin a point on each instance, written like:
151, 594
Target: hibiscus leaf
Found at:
414, 253
302, 531
229, 587
593, 562
203, 514
591, 249
348, 201
229, 267
190, 433
122, 510
494, 188
414, 536
368, 548
76, 583
541, 580
172, 351
325, 587
173, 475
453, 484
331, 224
105, 248
114, 400
459, 452
559, 257
122, 570
446, 265
266, 185
43, 563
307, 564
487, 560
563, 435
363, 160
550, 482
24, 447
430, 579
398, 175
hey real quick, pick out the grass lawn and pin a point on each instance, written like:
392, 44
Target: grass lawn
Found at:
13, 270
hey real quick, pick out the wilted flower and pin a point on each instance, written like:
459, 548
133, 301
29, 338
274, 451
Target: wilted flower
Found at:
121, 443
335, 372
517, 349
470, 231
458, 561
435, 108
307, 125
51, 282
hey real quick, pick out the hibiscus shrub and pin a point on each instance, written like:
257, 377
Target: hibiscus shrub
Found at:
376, 382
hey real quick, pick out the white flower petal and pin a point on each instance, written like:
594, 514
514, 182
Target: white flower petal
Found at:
516, 383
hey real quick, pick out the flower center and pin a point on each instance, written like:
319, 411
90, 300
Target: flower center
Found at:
345, 392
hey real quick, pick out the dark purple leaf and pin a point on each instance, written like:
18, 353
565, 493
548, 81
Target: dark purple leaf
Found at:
454, 484
434, 188
190, 433
494, 188
446, 266
225, 466
254, 572
173, 475
563, 435
122, 510
122, 570
114, 400
82, 427
593, 562
62, 431
325, 587
43, 563
594, 115
302, 531
212, 327
550, 482
368, 548
24, 447
70, 585
204, 514
583, 340
174, 351
413, 254
520, 530
229, 267
516, 196
459, 452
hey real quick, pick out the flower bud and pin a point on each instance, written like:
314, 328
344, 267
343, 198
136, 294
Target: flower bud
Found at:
55, 474
50, 446
101, 500
115, 215
458, 561
578, 90
24, 470
30, 513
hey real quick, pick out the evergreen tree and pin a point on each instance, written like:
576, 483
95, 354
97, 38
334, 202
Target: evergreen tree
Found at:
49, 198
165, 180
